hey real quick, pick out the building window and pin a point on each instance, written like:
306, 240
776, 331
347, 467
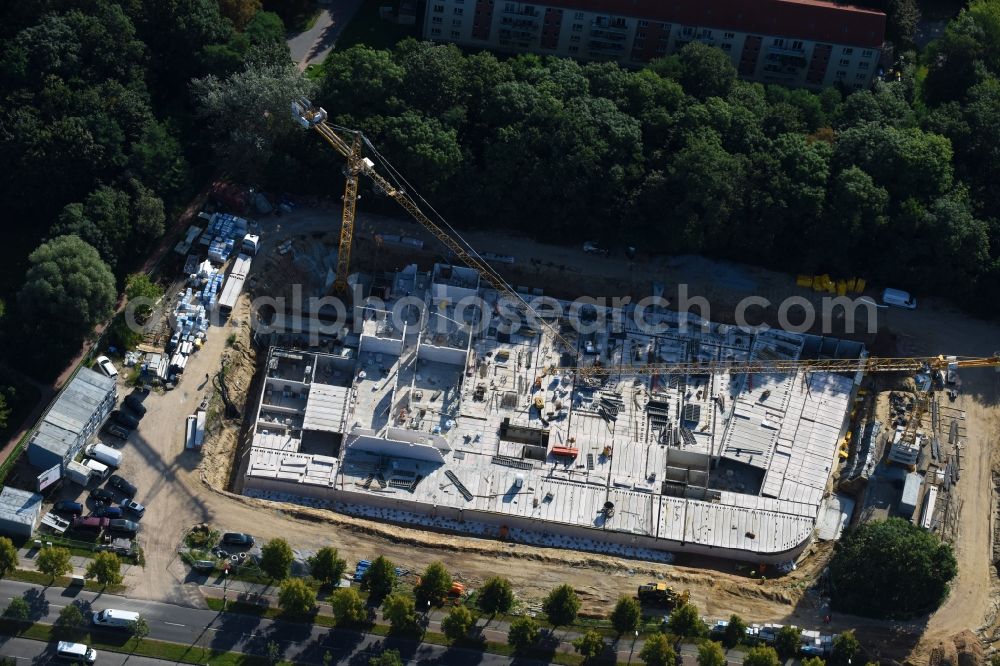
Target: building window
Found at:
862, 65
435, 31
438, 9
687, 32
661, 49
848, 51
797, 45
727, 47
844, 62
779, 41
578, 16
455, 34
861, 77
640, 35
458, 11
706, 33
728, 35
643, 24
858, 86
574, 38
866, 54
577, 27
665, 38
437, 20
841, 73
574, 49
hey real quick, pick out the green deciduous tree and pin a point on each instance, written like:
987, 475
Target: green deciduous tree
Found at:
890, 568
296, 598
788, 641
142, 294
401, 613
67, 290
685, 621
247, 111
54, 561
348, 606
762, 655
590, 644
561, 606
657, 651
239, 12
8, 556
327, 566
705, 71
845, 649
105, 568
710, 653
626, 615
140, 629
457, 623
813, 661
736, 631
379, 579
387, 658
523, 633
276, 558
18, 609
434, 585
495, 596
70, 621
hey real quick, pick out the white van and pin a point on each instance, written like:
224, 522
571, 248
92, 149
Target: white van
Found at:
899, 298
98, 468
75, 652
115, 619
106, 454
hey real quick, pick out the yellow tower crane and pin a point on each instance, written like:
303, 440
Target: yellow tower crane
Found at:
349, 143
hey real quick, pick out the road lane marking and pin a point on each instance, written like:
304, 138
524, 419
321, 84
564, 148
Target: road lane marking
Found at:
174, 624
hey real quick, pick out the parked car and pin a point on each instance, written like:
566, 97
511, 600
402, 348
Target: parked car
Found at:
102, 495
237, 539
122, 485
105, 365
108, 511
134, 402
68, 506
116, 430
123, 525
133, 507
91, 523
592, 247
125, 419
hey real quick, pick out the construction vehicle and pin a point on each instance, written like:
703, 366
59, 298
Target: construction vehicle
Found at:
350, 143
661, 594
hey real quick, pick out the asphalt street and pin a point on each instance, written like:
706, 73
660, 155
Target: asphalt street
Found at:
300, 643
27, 651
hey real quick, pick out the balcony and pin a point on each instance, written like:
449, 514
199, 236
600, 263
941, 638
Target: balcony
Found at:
787, 51
606, 48
608, 35
518, 10
616, 25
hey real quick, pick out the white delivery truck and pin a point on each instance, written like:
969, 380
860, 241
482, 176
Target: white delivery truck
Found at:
77, 473
899, 299
105, 454
115, 619
75, 652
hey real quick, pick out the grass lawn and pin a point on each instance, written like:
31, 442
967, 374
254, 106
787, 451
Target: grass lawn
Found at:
44, 580
368, 28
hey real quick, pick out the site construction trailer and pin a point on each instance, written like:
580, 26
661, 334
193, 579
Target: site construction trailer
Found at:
105, 454
19, 512
71, 419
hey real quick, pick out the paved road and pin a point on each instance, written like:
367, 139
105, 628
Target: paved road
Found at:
302, 644
313, 45
27, 651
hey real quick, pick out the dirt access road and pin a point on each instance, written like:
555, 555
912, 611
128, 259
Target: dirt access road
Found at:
183, 488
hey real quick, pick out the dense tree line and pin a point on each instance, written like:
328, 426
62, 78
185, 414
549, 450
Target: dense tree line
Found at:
99, 145
898, 183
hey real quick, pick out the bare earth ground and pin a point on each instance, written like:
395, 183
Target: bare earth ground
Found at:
183, 488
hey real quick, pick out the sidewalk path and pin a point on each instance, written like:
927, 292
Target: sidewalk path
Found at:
313, 45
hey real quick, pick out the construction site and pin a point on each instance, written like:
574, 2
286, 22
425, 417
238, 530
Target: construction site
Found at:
595, 444
644, 434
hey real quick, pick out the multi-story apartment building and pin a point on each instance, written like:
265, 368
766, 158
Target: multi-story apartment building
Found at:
809, 43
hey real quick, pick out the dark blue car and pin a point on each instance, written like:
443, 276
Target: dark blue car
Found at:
68, 506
